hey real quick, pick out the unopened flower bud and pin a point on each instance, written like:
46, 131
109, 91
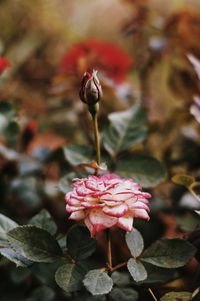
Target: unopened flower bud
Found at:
90, 92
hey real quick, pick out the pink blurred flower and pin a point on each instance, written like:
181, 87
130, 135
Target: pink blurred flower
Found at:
4, 64
107, 57
105, 201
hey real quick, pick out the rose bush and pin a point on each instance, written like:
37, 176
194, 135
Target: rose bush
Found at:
107, 200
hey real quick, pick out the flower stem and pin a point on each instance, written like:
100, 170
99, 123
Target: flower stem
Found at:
97, 140
109, 250
152, 294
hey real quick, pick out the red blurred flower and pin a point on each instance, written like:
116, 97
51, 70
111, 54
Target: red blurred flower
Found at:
94, 54
4, 64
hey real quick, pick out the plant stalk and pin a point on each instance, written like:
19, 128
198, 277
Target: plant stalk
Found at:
109, 250
97, 139
152, 294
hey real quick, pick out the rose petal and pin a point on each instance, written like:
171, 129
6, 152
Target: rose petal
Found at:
99, 218
138, 205
78, 215
73, 208
116, 211
141, 213
125, 222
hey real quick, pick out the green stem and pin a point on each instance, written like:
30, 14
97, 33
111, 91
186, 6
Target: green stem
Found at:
97, 140
109, 250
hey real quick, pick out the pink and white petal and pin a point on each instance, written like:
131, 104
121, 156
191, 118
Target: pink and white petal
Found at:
139, 205
116, 211
73, 208
99, 218
68, 195
78, 215
117, 197
111, 203
83, 191
73, 202
141, 213
109, 177
145, 195
125, 222
91, 205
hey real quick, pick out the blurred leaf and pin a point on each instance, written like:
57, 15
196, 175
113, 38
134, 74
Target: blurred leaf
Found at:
157, 274
184, 180
120, 278
136, 269
69, 277
34, 243
79, 243
45, 272
135, 242
143, 169
124, 294
187, 221
126, 129
15, 257
29, 166
43, 293
169, 253
180, 296
11, 132
98, 282
20, 274
189, 182
6, 224
44, 220
65, 183
78, 154
28, 190
7, 110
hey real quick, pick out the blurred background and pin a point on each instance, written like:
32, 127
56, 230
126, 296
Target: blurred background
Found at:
141, 50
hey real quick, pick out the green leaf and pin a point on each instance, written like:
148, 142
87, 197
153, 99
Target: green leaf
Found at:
79, 243
69, 277
169, 253
136, 269
157, 274
135, 242
143, 169
124, 294
43, 293
6, 224
121, 278
44, 220
98, 282
77, 154
177, 296
13, 256
45, 272
34, 243
126, 129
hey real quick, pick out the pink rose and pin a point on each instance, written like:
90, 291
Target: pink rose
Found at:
105, 201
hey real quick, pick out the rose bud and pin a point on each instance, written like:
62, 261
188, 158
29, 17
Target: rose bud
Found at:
90, 92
